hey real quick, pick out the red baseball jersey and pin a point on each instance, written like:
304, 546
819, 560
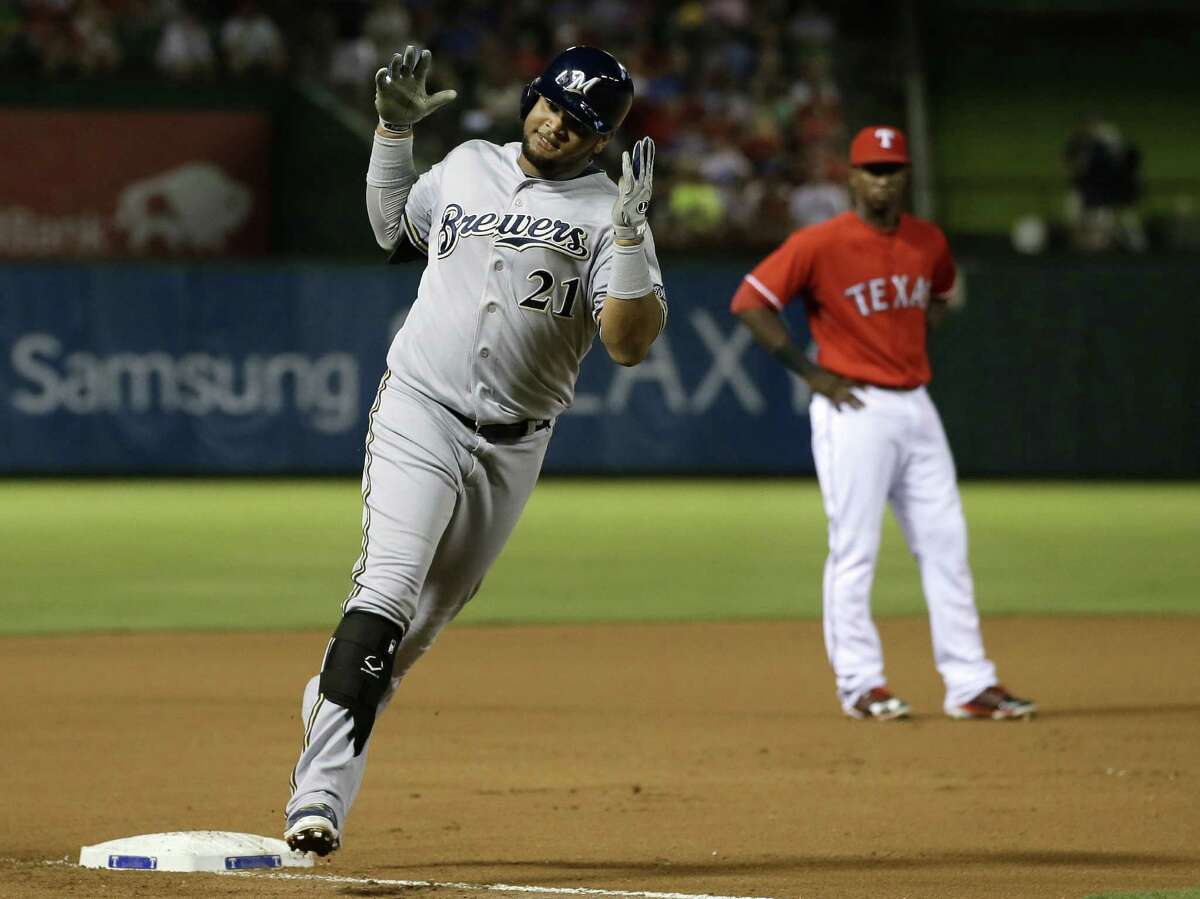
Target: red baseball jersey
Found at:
865, 292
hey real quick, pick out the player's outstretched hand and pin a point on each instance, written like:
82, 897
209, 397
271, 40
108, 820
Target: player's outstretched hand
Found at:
635, 187
400, 97
838, 389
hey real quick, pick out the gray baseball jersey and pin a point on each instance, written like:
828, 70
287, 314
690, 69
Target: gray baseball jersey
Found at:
516, 277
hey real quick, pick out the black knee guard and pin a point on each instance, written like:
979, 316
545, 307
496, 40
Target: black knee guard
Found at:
358, 667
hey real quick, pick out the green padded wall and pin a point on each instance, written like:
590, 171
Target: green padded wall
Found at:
1074, 367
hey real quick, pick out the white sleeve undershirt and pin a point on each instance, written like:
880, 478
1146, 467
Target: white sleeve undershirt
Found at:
390, 176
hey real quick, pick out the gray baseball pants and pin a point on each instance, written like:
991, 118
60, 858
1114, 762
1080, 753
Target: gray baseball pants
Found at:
439, 503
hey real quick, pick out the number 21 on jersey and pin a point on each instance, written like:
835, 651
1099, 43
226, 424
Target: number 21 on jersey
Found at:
560, 302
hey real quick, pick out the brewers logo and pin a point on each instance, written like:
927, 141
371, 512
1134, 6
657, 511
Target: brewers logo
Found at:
520, 232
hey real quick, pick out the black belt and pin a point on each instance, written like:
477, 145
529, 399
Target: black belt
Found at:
512, 431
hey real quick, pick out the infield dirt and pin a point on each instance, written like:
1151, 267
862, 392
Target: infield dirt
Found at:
688, 758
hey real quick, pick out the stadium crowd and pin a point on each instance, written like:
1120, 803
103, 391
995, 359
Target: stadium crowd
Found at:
740, 96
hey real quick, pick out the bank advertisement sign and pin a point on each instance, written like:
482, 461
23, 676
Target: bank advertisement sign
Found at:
249, 369
87, 184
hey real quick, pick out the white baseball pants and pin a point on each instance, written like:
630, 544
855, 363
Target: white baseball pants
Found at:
895, 451
439, 503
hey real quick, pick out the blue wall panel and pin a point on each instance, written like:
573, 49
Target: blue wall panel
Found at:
1058, 366
164, 368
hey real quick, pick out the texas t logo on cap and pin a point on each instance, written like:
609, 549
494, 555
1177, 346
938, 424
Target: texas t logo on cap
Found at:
879, 143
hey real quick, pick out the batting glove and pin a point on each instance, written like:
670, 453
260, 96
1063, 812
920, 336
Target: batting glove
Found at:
633, 198
400, 97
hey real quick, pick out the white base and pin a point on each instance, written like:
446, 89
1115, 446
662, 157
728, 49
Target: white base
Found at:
193, 850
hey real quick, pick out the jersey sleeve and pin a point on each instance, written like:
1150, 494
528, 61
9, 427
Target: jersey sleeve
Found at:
779, 278
945, 272
598, 278
417, 220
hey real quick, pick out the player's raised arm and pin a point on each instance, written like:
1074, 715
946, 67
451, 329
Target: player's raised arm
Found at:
632, 316
401, 101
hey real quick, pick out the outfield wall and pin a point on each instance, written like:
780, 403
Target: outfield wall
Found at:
1056, 366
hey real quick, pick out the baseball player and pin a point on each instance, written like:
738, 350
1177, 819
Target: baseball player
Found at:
872, 280
530, 251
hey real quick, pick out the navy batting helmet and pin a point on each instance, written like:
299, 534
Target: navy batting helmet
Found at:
588, 83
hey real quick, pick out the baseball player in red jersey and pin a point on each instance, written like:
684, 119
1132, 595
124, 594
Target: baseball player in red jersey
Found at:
873, 280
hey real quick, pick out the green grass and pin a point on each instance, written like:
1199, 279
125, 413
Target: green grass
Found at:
142, 555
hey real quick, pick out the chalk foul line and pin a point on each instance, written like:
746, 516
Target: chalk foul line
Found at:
484, 887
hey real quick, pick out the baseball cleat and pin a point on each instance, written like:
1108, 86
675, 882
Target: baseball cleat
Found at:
312, 828
994, 704
878, 704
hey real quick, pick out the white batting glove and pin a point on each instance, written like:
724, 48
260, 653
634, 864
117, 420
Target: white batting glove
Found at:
633, 199
400, 97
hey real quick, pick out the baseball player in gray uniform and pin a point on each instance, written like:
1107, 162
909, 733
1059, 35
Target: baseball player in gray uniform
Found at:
530, 251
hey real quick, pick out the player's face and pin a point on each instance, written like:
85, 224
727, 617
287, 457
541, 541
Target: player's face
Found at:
556, 144
880, 185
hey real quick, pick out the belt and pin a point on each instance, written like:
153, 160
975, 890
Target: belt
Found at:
512, 431
893, 389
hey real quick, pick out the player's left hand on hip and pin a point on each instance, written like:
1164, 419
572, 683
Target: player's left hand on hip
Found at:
635, 187
400, 97
837, 389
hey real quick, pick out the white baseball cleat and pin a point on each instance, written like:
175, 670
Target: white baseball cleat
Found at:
994, 704
878, 704
313, 828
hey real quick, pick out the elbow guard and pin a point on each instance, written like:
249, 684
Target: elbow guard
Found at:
358, 668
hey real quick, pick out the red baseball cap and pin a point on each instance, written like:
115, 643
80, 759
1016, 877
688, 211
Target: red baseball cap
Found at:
879, 143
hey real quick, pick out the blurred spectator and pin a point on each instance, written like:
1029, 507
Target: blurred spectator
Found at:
610, 19
352, 67
724, 163
695, 207
816, 87
388, 27
821, 195
812, 27
251, 43
740, 95
728, 13
97, 50
1102, 207
772, 214
185, 49
314, 34
498, 96
50, 36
